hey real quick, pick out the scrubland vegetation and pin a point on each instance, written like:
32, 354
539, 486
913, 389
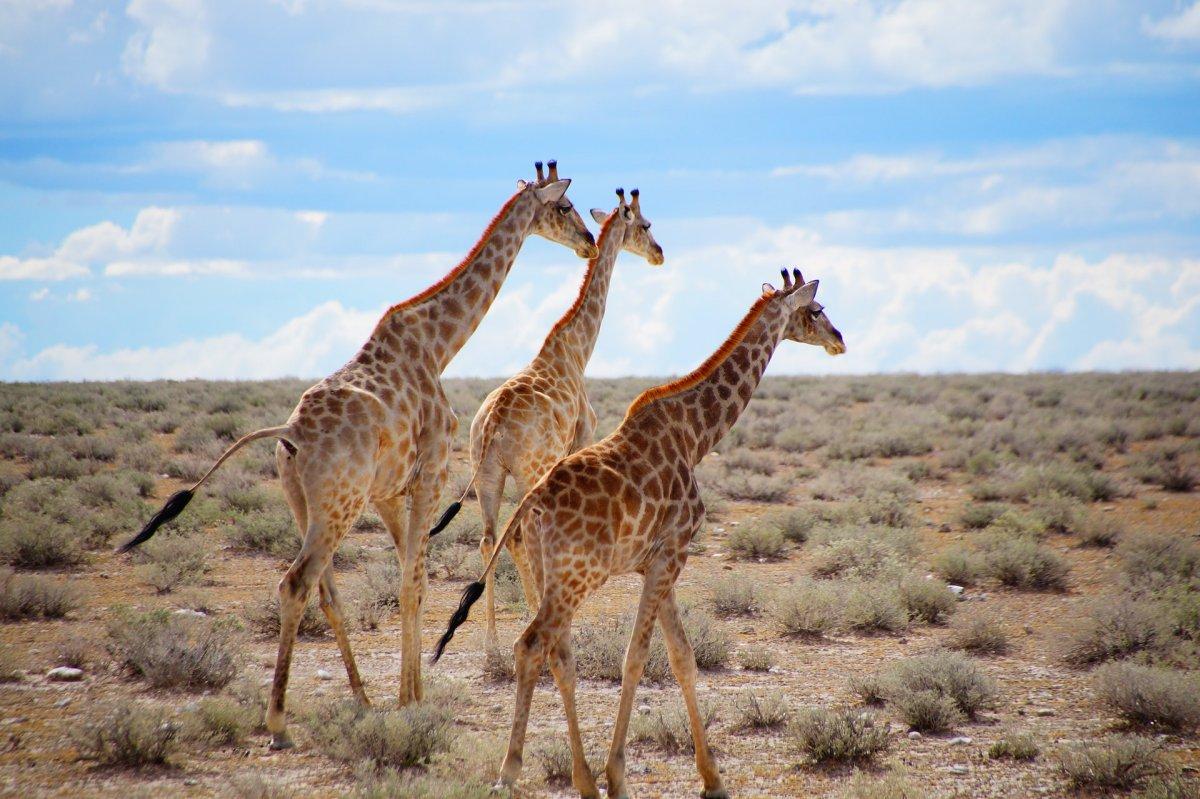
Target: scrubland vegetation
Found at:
944, 586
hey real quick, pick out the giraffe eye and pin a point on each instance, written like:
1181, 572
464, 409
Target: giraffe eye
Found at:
645, 226
564, 209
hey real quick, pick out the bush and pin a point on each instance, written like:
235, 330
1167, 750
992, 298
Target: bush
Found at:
172, 561
795, 524
127, 735
220, 721
756, 658
873, 607
31, 596
958, 566
1097, 530
263, 618
710, 641
750, 487
669, 729
862, 552
272, 532
402, 738
947, 673
979, 636
1150, 696
755, 712
1021, 563
757, 541
557, 762
1021, 746
1173, 787
928, 601
841, 736
807, 608
38, 543
1057, 513
1115, 628
600, 651
1116, 762
173, 651
734, 595
1154, 560
979, 515
927, 711
499, 664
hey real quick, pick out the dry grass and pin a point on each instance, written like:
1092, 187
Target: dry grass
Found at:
30, 596
1148, 696
171, 651
979, 636
838, 736
127, 735
1015, 747
402, 738
1113, 763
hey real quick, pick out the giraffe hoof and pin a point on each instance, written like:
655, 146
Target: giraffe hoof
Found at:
280, 741
716, 793
501, 788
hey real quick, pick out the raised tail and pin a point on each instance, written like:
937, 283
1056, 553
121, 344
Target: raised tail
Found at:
473, 591
180, 499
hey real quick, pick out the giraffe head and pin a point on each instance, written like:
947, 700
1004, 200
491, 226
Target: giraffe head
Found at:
637, 235
808, 323
554, 217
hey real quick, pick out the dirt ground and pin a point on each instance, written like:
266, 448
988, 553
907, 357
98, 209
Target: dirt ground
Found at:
1039, 694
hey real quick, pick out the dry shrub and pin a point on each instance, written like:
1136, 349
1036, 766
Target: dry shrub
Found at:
220, 721
402, 738
979, 636
958, 565
1100, 530
1152, 560
927, 601
796, 524
891, 786
839, 736
927, 711
979, 515
173, 651
1020, 746
756, 658
807, 608
172, 561
127, 735
669, 729
271, 531
557, 762
600, 651
31, 596
263, 618
1150, 696
754, 712
735, 595
949, 674
38, 543
1115, 627
499, 664
873, 606
862, 552
757, 540
1115, 762
1020, 562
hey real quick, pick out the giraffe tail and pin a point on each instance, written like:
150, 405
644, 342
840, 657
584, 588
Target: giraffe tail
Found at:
449, 513
473, 591
180, 499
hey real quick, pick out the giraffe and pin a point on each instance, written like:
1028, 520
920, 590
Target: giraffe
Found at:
380, 429
542, 413
630, 503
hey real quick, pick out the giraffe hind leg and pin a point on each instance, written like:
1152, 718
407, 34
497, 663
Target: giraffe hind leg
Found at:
489, 487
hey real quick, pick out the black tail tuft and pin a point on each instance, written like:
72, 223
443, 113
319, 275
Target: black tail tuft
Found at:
470, 596
447, 517
169, 511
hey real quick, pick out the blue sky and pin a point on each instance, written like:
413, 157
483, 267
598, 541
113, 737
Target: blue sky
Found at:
194, 188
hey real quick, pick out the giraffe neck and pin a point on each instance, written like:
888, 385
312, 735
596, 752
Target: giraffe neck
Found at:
572, 340
711, 399
445, 315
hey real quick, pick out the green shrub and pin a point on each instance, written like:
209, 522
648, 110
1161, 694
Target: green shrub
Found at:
38, 543
272, 532
1021, 746
927, 711
807, 608
795, 524
873, 606
891, 786
927, 601
947, 673
173, 561
979, 515
862, 552
1152, 560
754, 712
734, 595
757, 541
958, 565
1115, 762
1097, 530
1021, 563
840, 736
220, 721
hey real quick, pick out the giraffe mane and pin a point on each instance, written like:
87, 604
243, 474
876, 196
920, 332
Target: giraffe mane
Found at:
462, 265
704, 370
588, 275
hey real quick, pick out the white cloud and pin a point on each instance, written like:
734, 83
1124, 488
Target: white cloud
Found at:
80, 295
94, 244
1180, 28
172, 43
39, 295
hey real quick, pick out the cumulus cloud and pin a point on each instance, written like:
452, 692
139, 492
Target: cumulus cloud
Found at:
171, 44
1180, 28
79, 251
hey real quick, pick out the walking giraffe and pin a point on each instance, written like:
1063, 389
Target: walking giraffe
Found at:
630, 503
542, 414
380, 429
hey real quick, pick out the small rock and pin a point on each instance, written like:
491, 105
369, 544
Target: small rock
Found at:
945, 528
914, 736
644, 710
958, 770
957, 590
1044, 711
961, 740
103, 575
66, 700
191, 781
322, 674
190, 612
64, 674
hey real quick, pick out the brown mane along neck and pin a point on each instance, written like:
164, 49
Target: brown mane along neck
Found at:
588, 275
704, 370
462, 265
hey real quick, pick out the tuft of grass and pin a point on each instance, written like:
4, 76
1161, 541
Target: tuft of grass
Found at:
796, 524
756, 658
557, 762
838, 736
1020, 562
979, 636
949, 674
1150, 696
1114, 628
498, 664
31, 596
600, 651
172, 561
873, 606
927, 710
170, 651
263, 618
1019, 746
807, 608
1100, 530
402, 738
958, 565
220, 721
127, 735
891, 786
1115, 762
979, 515
927, 601
758, 540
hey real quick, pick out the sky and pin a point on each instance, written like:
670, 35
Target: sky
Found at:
237, 189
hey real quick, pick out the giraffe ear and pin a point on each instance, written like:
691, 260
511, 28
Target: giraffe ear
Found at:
552, 192
768, 290
599, 215
521, 185
804, 295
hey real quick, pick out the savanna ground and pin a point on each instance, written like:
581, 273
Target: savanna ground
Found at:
837, 659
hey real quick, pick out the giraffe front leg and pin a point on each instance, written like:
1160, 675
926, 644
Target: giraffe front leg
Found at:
635, 662
683, 664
